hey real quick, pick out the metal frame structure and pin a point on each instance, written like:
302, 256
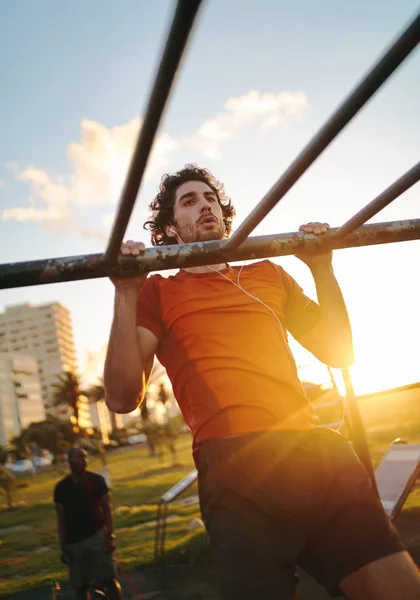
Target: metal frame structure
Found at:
239, 246
162, 510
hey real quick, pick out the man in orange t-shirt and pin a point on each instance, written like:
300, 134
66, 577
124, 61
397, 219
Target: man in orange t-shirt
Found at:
275, 490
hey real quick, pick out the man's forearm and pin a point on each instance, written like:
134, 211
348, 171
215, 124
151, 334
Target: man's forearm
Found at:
123, 375
335, 321
61, 532
109, 521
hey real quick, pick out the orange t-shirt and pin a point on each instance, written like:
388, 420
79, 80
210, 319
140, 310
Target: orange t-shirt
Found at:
226, 355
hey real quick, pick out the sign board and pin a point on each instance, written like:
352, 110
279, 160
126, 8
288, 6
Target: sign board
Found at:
396, 475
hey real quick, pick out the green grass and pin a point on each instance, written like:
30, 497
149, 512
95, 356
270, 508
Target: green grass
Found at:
30, 558
387, 417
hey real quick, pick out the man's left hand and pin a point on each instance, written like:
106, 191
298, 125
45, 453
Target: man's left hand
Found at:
315, 259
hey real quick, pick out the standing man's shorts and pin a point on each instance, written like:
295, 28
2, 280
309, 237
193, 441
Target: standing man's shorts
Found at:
89, 561
276, 499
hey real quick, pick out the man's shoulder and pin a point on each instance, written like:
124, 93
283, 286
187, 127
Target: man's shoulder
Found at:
151, 282
94, 475
61, 484
267, 266
155, 285
97, 478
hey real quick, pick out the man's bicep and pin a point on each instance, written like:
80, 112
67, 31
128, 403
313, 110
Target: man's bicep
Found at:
148, 342
105, 499
60, 510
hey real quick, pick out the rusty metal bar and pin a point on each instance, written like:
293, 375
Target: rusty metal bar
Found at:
391, 193
162, 258
335, 124
177, 39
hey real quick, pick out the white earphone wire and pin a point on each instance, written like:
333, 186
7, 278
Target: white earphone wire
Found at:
340, 423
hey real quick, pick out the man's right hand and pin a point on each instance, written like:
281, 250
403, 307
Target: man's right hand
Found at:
130, 248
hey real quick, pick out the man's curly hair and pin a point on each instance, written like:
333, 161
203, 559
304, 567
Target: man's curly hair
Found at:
162, 206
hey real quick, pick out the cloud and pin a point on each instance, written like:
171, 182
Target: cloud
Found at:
98, 166
266, 111
99, 160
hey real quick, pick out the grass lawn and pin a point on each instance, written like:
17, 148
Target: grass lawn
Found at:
29, 555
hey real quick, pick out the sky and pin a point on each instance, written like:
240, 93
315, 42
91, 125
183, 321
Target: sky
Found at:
257, 82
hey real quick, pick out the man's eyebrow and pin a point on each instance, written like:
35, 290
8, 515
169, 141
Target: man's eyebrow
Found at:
186, 195
191, 194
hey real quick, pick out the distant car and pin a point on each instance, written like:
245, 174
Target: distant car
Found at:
137, 439
42, 461
23, 466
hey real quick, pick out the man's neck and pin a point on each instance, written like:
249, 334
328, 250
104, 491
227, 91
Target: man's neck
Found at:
77, 476
207, 268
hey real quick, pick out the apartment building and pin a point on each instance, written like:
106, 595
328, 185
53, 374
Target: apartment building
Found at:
20, 394
44, 332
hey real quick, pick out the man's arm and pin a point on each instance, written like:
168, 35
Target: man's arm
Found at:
61, 525
105, 501
131, 349
330, 340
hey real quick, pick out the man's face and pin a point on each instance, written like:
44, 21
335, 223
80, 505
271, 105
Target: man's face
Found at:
79, 462
197, 213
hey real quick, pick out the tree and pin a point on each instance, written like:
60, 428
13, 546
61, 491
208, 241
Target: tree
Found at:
52, 434
163, 395
3, 455
96, 393
7, 485
68, 391
19, 447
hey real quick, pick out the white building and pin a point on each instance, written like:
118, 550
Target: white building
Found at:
20, 395
46, 333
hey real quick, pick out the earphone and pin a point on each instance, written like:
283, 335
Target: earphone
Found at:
238, 285
338, 425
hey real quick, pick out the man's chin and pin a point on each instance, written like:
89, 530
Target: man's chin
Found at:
208, 236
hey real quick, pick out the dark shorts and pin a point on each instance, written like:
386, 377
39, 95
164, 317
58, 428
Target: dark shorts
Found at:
273, 500
90, 562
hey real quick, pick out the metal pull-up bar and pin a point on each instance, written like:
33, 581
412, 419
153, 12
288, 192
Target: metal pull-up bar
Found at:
181, 27
397, 53
396, 189
161, 258
238, 247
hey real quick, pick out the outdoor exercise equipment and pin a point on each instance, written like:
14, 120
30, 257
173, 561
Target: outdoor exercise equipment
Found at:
239, 246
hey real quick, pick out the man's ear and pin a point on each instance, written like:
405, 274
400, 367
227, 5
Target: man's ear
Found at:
170, 231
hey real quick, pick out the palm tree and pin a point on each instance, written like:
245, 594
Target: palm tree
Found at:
163, 395
68, 390
96, 393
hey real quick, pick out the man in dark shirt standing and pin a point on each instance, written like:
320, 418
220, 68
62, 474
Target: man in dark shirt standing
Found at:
85, 528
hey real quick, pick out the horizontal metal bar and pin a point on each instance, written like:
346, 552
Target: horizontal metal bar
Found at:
389, 195
335, 124
177, 39
161, 258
